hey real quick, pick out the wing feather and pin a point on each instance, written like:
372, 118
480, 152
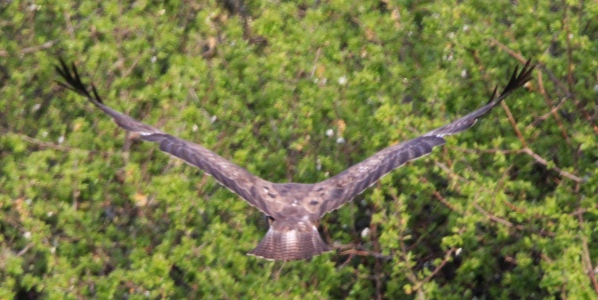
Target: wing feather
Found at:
517, 80
343, 187
233, 177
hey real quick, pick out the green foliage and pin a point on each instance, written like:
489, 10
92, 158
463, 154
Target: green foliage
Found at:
505, 210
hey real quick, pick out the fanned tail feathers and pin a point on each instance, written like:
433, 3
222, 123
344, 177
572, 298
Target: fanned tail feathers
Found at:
290, 241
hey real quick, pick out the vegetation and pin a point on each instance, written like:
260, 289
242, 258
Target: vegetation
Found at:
299, 91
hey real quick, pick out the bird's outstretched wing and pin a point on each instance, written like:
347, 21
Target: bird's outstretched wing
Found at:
343, 187
233, 177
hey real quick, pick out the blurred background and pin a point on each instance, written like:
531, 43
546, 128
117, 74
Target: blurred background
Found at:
299, 92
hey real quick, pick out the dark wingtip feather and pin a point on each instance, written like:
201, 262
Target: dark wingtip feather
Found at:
95, 93
517, 80
73, 82
493, 95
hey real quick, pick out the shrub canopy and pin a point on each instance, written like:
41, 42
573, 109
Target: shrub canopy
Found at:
299, 92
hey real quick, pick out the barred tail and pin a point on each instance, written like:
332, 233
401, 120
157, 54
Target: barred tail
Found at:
290, 242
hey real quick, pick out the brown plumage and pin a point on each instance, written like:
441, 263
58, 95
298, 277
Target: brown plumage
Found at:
294, 208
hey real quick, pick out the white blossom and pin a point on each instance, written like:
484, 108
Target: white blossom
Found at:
342, 80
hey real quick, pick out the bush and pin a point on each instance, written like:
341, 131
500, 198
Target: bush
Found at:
507, 209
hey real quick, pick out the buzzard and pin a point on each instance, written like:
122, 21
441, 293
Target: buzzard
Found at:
294, 209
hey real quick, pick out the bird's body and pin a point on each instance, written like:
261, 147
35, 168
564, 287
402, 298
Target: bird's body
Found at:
295, 209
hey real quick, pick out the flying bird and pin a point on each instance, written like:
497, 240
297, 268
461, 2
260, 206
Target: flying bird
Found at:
294, 209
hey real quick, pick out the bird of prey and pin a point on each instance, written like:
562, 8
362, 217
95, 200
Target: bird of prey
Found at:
294, 209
